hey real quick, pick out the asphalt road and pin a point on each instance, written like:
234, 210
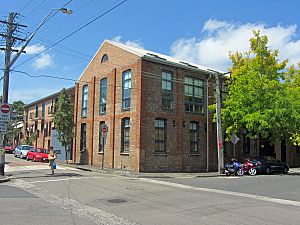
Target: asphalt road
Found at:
80, 197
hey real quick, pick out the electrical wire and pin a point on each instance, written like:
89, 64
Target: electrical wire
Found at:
72, 33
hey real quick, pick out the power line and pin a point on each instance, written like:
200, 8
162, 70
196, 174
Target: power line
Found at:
80, 28
143, 73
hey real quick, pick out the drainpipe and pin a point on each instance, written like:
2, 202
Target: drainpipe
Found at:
207, 125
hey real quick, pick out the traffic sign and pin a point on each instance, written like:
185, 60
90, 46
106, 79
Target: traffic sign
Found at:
5, 112
3, 127
104, 130
234, 139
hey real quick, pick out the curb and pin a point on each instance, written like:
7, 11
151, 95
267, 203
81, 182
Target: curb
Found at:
141, 175
4, 179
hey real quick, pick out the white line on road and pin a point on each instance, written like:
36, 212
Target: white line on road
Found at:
232, 193
63, 179
80, 209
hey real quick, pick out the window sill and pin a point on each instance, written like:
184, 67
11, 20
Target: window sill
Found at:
124, 153
195, 113
194, 154
160, 154
126, 109
101, 153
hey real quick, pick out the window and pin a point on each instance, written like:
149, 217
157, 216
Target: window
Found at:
50, 128
43, 109
42, 125
167, 90
36, 111
103, 90
194, 137
160, 136
104, 58
85, 91
100, 137
126, 85
83, 137
125, 134
193, 95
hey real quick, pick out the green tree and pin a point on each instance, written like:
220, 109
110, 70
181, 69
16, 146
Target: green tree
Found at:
64, 119
17, 116
258, 98
292, 85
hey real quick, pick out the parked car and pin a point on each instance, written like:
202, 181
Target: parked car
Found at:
270, 164
21, 151
8, 148
37, 155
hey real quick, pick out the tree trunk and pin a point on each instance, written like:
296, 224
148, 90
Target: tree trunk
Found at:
66, 153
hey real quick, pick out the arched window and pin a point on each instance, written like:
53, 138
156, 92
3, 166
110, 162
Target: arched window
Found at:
125, 134
126, 86
104, 58
84, 101
103, 89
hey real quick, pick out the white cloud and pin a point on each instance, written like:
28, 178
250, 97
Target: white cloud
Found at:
220, 37
29, 94
42, 62
33, 49
135, 43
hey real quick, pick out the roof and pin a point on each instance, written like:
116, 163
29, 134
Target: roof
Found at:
147, 54
47, 97
154, 56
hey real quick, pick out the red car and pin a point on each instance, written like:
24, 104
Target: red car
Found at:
37, 155
8, 148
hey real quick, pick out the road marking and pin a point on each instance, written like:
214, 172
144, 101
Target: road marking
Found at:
232, 193
34, 167
92, 214
63, 179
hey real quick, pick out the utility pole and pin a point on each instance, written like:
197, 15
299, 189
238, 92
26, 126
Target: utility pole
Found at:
219, 120
219, 125
10, 41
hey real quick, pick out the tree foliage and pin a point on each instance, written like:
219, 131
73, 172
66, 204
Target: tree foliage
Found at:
18, 113
260, 97
64, 118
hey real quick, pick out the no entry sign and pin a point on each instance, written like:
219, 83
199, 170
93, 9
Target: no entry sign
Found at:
5, 112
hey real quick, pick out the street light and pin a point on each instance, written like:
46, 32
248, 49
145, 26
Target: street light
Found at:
8, 64
63, 10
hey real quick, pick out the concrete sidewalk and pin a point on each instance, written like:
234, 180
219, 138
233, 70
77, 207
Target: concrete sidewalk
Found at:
141, 175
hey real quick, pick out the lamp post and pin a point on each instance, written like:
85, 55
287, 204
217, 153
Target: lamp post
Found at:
9, 62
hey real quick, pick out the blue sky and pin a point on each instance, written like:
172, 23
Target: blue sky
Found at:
200, 31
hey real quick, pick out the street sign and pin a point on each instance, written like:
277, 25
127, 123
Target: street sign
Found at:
3, 127
5, 112
234, 139
104, 130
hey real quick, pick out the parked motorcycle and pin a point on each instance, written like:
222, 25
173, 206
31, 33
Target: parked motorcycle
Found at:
234, 168
250, 167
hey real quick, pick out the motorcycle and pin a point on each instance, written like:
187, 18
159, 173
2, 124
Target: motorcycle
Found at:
250, 167
234, 168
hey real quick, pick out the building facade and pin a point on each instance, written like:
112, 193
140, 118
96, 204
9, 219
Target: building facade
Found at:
154, 108
38, 119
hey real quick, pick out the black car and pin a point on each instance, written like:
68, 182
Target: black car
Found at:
269, 164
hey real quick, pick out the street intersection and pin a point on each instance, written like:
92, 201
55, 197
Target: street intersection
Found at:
74, 196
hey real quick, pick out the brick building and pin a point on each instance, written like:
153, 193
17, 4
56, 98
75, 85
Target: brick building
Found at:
38, 119
154, 107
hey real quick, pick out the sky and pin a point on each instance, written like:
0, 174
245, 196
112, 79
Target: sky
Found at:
198, 31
